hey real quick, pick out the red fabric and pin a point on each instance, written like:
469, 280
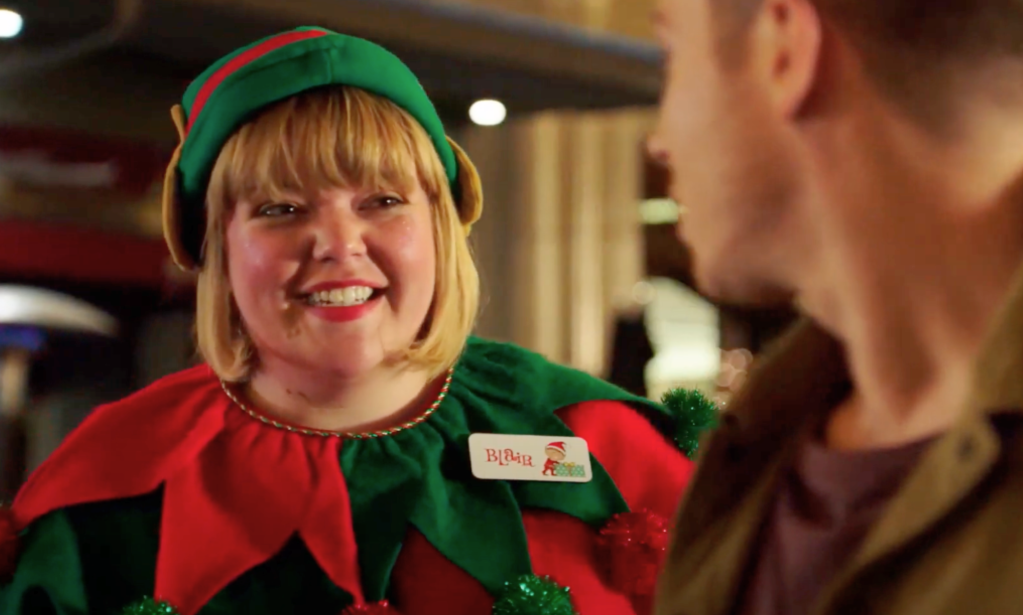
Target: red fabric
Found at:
424, 582
226, 507
651, 474
227, 510
648, 469
240, 61
633, 546
126, 448
565, 549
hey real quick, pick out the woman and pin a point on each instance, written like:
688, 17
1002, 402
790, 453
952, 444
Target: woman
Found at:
337, 449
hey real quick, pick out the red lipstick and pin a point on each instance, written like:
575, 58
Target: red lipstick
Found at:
342, 313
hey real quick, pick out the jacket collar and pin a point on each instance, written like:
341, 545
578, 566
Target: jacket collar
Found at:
792, 387
798, 379
998, 386
805, 374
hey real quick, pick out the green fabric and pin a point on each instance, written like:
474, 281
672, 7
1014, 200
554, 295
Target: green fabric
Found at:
419, 478
97, 527
422, 476
290, 582
49, 576
72, 554
333, 59
695, 416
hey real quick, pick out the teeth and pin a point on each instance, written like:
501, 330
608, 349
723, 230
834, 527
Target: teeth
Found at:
342, 297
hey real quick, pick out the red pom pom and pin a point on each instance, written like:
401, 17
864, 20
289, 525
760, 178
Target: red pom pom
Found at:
377, 608
8, 543
634, 546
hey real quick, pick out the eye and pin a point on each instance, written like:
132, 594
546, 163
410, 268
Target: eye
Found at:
383, 201
277, 210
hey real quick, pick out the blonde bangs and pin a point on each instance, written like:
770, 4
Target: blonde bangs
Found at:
328, 138
338, 137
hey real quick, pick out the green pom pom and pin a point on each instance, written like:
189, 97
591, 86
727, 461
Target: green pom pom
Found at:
533, 595
149, 606
694, 414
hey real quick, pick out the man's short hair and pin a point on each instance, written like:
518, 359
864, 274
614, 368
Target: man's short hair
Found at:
915, 49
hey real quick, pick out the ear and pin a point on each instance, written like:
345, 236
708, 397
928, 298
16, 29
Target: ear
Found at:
171, 200
470, 203
788, 40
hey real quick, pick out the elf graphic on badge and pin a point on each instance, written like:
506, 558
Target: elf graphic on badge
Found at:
556, 464
347, 446
555, 452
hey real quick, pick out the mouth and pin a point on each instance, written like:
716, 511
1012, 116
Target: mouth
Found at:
349, 296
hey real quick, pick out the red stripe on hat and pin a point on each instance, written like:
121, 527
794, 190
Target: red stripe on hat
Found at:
240, 61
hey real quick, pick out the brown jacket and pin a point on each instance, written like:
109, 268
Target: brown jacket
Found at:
950, 541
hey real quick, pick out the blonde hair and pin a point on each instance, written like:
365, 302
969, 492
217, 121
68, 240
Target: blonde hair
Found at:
331, 137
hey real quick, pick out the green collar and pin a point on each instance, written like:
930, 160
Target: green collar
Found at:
421, 477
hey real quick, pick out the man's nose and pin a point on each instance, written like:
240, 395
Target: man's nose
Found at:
655, 148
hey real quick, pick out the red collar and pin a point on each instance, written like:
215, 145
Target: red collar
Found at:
234, 490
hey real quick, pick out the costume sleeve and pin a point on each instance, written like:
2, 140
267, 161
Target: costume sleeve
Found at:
649, 470
48, 578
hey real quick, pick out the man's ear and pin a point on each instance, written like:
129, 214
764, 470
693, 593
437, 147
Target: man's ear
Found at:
787, 45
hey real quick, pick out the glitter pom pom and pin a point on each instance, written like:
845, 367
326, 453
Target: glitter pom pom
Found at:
8, 543
148, 606
377, 608
634, 545
694, 414
533, 595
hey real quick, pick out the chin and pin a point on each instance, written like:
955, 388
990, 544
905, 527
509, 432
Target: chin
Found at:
347, 360
345, 369
731, 284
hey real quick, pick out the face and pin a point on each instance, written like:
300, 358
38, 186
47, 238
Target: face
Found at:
336, 281
718, 136
555, 455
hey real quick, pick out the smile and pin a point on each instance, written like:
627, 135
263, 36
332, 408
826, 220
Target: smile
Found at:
341, 297
344, 304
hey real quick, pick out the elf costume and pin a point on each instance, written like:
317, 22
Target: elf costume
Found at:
183, 498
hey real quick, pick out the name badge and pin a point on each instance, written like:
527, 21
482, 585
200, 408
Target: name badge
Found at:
543, 458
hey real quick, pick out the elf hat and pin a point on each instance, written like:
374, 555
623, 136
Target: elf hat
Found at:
556, 446
239, 85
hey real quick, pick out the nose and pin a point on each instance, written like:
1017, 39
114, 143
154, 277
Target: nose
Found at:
656, 149
338, 235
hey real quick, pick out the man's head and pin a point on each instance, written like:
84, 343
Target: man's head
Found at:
773, 108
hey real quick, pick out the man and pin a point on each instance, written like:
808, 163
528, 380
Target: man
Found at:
863, 158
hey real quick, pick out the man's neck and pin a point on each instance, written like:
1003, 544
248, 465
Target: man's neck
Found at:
910, 284
333, 402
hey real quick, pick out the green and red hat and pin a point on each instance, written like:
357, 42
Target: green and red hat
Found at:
236, 87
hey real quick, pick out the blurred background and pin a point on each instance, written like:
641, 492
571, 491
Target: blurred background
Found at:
552, 98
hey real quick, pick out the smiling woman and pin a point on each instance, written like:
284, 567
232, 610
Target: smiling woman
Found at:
273, 196
348, 447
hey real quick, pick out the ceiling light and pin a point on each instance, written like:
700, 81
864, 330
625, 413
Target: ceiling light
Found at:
487, 112
10, 23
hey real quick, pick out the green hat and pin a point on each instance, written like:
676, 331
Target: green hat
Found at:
239, 85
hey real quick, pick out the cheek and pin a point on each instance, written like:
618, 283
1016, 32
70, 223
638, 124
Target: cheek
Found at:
256, 264
687, 116
412, 244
